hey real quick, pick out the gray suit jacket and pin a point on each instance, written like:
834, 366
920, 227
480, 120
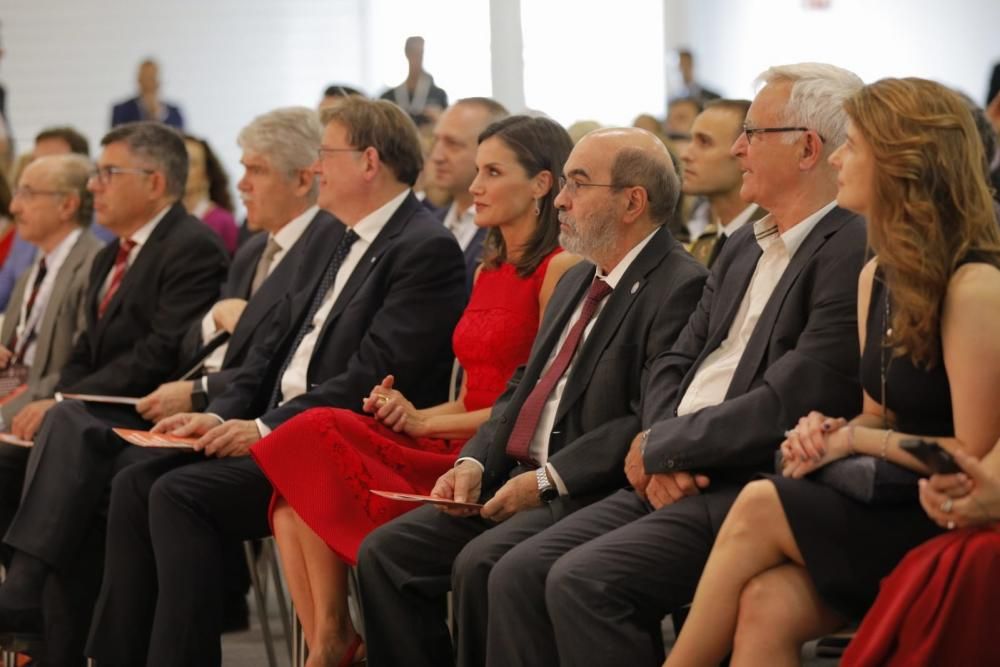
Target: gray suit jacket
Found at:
64, 319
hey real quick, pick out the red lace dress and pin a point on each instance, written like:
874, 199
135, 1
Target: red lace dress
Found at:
324, 461
938, 607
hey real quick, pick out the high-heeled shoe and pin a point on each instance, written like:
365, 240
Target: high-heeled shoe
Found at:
350, 655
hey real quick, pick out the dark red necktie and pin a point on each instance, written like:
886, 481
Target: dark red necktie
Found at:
531, 411
117, 274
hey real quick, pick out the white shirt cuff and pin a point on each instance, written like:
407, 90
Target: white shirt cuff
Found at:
208, 328
212, 414
204, 383
556, 479
262, 428
482, 468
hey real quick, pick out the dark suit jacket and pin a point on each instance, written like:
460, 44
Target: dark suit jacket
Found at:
134, 347
297, 270
395, 315
599, 411
132, 110
803, 355
65, 318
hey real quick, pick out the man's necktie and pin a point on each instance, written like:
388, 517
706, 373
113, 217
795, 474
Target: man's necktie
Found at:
720, 241
117, 274
264, 265
28, 307
325, 283
531, 411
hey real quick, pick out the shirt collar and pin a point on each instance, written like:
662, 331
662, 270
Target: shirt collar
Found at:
290, 233
737, 222
615, 276
369, 226
58, 254
766, 229
141, 235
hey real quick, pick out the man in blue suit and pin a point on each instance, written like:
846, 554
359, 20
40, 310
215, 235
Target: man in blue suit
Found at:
147, 105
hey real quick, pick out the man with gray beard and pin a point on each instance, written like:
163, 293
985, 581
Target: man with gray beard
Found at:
557, 436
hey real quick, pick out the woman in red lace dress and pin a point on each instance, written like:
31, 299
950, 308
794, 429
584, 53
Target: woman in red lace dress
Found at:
324, 462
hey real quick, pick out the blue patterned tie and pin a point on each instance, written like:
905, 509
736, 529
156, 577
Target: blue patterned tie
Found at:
325, 283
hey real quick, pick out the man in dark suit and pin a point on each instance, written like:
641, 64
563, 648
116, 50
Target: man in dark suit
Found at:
774, 337
147, 105
391, 292
52, 209
144, 291
453, 168
556, 436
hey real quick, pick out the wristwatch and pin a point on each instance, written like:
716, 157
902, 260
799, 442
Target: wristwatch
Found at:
199, 397
546, 491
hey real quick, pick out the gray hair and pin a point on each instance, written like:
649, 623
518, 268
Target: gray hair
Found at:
70, 173
159, 146
635, 166
817, 98
289, 137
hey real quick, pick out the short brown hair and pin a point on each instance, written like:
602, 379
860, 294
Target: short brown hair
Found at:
77, 142
385, 127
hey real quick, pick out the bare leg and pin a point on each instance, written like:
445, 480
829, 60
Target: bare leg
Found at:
780, 610
754, 538
324, 601
285, 523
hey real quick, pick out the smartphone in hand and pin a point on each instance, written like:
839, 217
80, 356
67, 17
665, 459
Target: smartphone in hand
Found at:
931, 455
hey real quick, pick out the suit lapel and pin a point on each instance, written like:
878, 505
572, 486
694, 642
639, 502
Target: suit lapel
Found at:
548, 338
611, 317
753, 355
60, 289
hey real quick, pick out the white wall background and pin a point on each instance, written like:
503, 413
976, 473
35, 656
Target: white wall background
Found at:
224, 61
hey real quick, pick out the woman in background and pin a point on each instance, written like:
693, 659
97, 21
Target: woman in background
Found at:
206, 195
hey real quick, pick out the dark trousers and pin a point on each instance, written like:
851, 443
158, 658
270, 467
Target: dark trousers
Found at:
594, 589
62, 511
407, 566
13, 461
168, 526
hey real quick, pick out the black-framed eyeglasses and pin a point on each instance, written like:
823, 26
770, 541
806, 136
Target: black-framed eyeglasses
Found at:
30, 193
323, 150
572, 186
751, 131
103, 174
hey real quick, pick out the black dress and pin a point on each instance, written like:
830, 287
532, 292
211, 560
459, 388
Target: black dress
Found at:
849, 546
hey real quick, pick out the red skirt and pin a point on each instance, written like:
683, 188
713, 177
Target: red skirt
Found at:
940, 606
325, 461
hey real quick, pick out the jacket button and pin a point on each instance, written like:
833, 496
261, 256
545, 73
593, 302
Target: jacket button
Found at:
670, 464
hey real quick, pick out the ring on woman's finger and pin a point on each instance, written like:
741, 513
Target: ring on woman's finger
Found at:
947, 505
382, 399
951, 525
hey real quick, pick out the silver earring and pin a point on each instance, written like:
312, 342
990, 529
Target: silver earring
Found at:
538, 207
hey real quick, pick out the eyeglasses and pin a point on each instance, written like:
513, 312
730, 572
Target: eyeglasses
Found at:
103, 174
572, 186
322, 151
751, 131
31, 193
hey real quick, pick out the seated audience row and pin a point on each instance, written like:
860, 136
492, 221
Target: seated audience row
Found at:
610, 455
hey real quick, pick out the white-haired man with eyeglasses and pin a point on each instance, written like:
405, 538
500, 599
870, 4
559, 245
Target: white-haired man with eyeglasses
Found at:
774, 336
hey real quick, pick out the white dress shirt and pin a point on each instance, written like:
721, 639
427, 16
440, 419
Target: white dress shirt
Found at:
140, 237
285, 237
294, 381
711, 381
737, 222
462, 225
27, 325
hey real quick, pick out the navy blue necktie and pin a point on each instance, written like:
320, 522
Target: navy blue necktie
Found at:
325, 283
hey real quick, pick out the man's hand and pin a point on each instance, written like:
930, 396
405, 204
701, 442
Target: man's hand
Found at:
462, 483
5, 356
167, 400
230, 438
669, 487
519, 493
29, 419
187, 424
226, 313
635, 468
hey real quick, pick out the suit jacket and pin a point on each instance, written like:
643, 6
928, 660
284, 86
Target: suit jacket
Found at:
132, 110
134, 347
394, 315
598, 413
64, 319
803, 355
296, 272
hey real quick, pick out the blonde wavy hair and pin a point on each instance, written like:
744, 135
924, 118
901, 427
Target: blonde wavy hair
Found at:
931, 202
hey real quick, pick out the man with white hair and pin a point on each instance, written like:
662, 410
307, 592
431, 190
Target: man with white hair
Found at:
775, 335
